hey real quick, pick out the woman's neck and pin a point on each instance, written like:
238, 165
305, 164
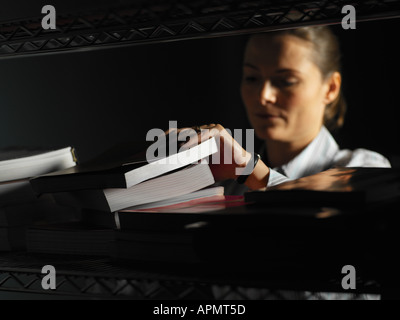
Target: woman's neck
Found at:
280, 153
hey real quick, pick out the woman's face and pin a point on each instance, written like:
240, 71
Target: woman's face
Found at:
282, 88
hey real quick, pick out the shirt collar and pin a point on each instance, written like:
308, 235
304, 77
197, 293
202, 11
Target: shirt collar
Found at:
316, 157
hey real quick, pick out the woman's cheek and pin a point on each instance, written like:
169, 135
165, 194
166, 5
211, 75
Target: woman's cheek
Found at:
289, 101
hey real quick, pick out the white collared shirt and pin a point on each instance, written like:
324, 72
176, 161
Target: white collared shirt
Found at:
321, 154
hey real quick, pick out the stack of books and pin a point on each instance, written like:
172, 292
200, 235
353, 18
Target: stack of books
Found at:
171, 212
20, 206
340, 187
70, 237
124, 183
99, 189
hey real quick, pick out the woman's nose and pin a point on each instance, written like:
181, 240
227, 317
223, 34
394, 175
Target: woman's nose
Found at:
268, 93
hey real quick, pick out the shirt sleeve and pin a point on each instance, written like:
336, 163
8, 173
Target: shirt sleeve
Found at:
275, 178
360, 158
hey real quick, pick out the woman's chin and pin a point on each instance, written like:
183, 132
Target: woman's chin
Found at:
269, 133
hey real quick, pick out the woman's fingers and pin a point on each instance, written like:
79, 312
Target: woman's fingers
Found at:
192, 136
230, 154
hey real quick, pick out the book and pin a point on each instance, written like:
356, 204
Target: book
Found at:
169, 217
188, 199
21, 163
177, 216
189, 179
45, 209
153, 252
19, 204
70, 237
171, 246
337, 187
99, 219
183, 236
119, 173
16, 192
104, 219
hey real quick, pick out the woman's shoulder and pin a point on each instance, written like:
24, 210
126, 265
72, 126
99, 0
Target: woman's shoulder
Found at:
360, 157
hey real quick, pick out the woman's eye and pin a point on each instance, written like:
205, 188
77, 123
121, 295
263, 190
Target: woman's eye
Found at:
286, 82
250, 79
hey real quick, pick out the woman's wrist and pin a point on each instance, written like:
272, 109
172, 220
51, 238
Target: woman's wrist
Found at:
248, 167
253, 172
258, 179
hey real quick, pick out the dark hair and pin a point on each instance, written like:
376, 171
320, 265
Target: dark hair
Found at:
327, 57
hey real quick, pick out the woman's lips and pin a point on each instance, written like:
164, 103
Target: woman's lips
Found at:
267, 116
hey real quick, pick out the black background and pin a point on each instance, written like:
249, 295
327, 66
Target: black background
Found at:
96, 99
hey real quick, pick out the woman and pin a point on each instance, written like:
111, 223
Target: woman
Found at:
291, 88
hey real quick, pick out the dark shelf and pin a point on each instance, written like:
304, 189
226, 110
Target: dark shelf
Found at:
100, 278
141, 22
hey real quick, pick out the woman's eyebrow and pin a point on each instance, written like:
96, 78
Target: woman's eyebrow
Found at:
279, 71
287, 70
246, 64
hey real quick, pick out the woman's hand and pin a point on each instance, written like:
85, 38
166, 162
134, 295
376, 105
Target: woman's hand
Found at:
230, 154
230, 158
